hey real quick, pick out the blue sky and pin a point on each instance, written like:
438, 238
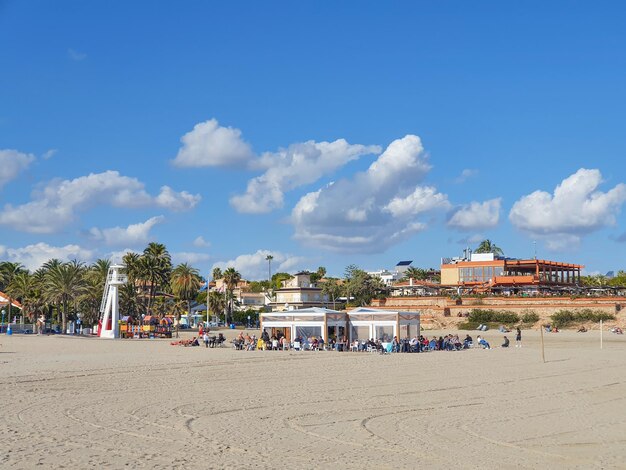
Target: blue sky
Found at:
323, 133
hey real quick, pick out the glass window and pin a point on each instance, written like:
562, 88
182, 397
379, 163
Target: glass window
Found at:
384, 333
360, 333
307, 333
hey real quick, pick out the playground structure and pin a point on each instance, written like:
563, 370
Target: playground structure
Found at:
109, 307
151, 327
156, 327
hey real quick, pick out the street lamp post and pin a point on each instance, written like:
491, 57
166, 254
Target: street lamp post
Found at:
248, 321
2, 324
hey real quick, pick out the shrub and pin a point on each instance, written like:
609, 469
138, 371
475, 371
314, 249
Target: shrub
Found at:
528, 316
493, 316
567, 317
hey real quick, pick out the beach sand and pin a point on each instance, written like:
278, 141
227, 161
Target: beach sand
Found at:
72, 402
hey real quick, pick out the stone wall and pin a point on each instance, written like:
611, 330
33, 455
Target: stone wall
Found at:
443, 312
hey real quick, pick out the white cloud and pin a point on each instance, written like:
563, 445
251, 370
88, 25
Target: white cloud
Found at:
376, 208
12, 163
33, 256
116, 257
49, 154
423, 199
134, 234
189, 257
56, 205
297, 165
75, 55
210, 144
576, 208
466, 174
255, 267
177, 202
476, 215
200, 242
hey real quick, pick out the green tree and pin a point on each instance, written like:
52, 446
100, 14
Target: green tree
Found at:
217, 274
185, 283
156, 267
487, 246
332, 289
231, 279
64, 283
360, 287
22, 288
8, 271
217, 303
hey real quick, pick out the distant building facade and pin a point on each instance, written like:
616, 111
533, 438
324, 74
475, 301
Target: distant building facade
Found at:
486, 272
298, 292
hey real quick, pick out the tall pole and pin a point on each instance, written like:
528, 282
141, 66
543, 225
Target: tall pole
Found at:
543, 352
601, 333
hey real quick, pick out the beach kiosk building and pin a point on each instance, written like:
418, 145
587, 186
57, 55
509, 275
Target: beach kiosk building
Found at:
306, 322
367, 323
361, 323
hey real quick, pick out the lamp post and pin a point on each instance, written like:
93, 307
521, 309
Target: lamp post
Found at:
2, 324
248, 321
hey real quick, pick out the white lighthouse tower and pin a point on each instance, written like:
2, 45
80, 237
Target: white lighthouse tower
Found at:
109, 307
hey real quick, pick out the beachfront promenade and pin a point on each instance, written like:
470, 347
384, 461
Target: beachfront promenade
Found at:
85, 402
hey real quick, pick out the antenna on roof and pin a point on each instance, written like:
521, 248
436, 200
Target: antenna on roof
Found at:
535, 248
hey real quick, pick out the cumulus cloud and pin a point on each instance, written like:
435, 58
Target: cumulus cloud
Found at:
476, 215
255, 266
49, 154
12, 163
200, 242
33, 256
210, 144
134, 234
190, 257
376, 208
292, 167
177, 202
57, 203
577, 207
466, 174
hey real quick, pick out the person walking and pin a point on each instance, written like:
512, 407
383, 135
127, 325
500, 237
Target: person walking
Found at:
518, 338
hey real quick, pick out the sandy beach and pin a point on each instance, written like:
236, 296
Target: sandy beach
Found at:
72, 402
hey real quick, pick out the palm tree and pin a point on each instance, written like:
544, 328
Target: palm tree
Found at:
22, 288
185, 283
231, 279
417, 274
63, 284
217, 273
156, 267
216, 302
8, 271
269, 259
487, 246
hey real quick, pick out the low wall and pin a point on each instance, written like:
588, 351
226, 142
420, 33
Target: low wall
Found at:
445, 312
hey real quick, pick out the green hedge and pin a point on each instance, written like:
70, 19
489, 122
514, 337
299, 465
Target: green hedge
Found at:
567, 317
504, 317
529, 317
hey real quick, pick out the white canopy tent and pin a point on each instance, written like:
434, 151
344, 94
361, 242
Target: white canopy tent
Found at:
367, 323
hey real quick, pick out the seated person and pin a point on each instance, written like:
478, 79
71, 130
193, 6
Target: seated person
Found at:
468, 342
506, 342
194, 342
483, 343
